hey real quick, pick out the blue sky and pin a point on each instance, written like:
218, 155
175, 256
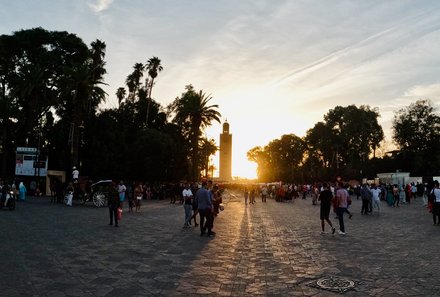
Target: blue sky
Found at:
274, 67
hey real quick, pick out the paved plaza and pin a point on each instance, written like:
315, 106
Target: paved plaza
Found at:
266, 249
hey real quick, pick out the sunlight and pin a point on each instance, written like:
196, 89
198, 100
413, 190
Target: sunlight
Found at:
243, 168
256, 121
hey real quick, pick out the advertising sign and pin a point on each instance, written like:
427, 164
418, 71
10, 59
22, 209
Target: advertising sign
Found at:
29, 163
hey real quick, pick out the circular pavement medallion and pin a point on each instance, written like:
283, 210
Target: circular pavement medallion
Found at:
333, 283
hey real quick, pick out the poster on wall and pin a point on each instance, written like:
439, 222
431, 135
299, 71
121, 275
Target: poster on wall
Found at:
28, 162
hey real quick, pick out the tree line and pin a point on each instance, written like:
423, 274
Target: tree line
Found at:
345, 144
51, 88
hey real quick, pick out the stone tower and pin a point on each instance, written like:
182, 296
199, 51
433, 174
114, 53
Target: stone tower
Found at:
225, 173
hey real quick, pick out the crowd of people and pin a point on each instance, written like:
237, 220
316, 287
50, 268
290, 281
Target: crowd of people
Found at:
202, 199
338, 196
205, 199
18, 189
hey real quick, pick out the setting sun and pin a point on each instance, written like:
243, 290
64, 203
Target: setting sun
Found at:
251, 131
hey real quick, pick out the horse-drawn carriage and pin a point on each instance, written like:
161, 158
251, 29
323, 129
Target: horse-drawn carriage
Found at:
97, 193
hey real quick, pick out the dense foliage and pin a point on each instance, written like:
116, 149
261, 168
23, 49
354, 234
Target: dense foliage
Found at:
49, 97
345, 144
50, 93
417, 132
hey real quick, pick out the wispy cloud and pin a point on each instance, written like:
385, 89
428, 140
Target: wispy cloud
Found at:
372, 48
100, 5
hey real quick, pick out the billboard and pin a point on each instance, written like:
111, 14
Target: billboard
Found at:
28, 162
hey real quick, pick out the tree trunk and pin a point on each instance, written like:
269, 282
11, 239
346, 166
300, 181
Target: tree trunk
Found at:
195, 151
149, 101
4, 153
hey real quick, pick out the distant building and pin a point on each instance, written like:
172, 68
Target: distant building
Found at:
225, 173
399, 178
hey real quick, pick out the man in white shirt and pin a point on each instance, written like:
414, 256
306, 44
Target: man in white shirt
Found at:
75, 174
376, 197
187, 204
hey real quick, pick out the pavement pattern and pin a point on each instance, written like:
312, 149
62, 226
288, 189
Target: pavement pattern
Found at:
266, 249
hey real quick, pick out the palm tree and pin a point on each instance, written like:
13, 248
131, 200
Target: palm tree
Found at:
133, 80
192, 111
97, 54
85, 94
153, 67
207, 149
120, 94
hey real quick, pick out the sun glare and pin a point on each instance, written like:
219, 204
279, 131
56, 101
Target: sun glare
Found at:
243, 168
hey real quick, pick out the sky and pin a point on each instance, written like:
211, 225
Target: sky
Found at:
273, 67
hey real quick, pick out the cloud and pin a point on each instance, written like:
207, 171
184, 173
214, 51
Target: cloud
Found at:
424, 91
100, 5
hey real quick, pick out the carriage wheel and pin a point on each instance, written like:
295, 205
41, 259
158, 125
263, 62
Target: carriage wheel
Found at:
99, 199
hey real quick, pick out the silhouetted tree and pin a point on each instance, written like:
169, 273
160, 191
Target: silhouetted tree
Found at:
416, 130
193, 113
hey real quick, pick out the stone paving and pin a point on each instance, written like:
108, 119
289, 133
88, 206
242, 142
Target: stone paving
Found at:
266, 249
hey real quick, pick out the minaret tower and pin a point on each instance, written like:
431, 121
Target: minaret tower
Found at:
225, 154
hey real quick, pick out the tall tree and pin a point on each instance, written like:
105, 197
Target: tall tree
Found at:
120, 94
153, 67
281, 159
207, 149
287, 155
265, 171
415, 126
193, 113
320, 142
38, 60
133, 80
356, 133
80, 86
416, 130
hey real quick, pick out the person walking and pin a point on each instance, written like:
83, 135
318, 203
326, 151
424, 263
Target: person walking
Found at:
366, 199
252, 195
402, 194
113, 204
342, 203
396, 195
22, 191
129, 196
187, 204
375, 191
205, 209
138, 196
69, 193
435, 194
326, 197
215, 202
264, 193
14, 191
246, 195
195, 206
121, 190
